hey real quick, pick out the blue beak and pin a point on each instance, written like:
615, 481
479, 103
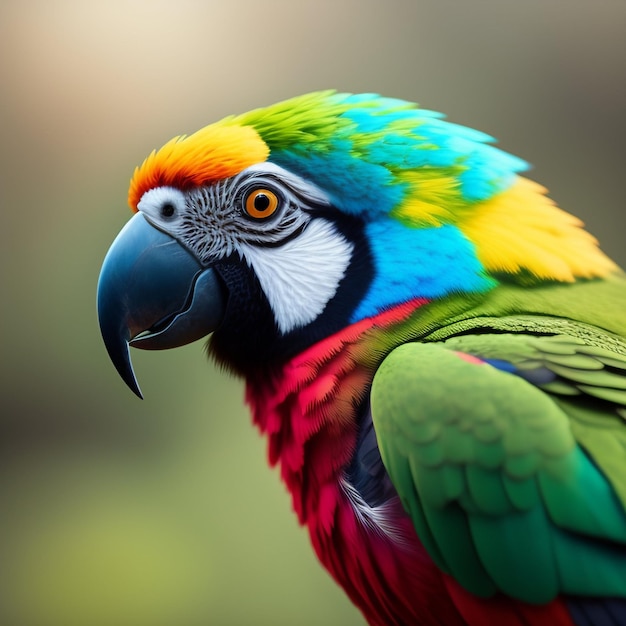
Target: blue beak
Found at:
153, 294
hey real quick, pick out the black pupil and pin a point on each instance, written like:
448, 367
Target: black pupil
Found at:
261, 202
167, 210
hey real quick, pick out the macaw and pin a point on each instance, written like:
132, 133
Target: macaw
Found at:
435, 351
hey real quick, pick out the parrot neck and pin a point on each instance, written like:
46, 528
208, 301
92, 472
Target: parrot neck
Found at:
309, 409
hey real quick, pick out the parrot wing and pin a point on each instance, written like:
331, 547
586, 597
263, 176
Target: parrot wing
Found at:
509, 453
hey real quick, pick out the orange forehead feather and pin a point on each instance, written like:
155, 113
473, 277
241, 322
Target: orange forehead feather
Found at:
214, 152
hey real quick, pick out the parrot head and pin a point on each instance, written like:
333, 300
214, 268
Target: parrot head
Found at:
273, 229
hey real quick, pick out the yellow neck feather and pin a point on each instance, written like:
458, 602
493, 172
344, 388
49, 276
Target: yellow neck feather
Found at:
522, 232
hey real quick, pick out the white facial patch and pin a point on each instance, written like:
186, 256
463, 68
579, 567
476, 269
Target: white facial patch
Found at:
301, 276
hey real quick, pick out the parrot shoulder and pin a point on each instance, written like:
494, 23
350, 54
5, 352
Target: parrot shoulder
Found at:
490, 439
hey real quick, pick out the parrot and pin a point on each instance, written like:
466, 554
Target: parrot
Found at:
434, 350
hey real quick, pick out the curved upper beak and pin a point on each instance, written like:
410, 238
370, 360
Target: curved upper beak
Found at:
153, 294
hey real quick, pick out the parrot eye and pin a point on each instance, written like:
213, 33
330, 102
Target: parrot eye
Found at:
260, 203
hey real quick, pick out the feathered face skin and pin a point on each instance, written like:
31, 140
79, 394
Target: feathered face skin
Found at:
334, 240
290, 268
293, 268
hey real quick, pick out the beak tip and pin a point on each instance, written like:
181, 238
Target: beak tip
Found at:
131, 381
123, 365
116, 341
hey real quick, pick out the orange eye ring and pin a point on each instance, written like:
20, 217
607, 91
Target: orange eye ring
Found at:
261, 203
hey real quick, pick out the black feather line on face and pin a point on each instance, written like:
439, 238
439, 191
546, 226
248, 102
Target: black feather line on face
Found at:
249, 342
243, 341
276, 244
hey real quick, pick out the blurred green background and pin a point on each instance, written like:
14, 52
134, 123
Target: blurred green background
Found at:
116, 512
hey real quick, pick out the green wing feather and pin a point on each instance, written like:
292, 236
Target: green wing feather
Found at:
511, 487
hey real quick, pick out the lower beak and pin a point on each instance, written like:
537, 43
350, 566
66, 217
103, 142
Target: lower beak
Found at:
153, 294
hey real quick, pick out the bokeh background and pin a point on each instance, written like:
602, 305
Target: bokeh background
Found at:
116, 512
